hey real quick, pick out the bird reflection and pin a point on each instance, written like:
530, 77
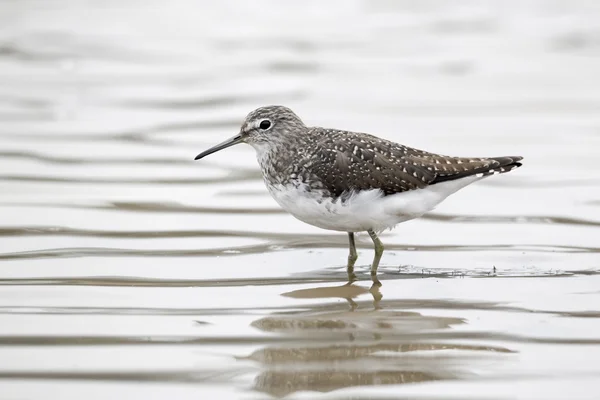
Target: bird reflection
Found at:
283, 383
348, 292
331, 347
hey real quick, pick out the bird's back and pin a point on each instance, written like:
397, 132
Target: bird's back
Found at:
343, 161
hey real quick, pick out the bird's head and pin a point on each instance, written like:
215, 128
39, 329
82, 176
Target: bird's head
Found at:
263, 128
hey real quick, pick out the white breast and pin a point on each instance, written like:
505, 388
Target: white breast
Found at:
363, 210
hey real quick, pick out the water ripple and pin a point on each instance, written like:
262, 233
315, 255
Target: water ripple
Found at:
76, 252
171, 207
329, 337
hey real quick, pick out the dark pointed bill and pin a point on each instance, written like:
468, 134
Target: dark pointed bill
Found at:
228, 143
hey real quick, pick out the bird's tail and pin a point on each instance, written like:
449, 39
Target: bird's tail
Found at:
484, 167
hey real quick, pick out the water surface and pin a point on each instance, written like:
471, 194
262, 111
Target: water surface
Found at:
128, 269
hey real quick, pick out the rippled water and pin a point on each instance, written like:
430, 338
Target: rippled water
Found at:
127, 269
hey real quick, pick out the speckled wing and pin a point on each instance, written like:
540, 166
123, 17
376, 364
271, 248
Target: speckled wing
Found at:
356, 161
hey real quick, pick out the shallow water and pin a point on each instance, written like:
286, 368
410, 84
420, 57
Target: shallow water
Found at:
127, 269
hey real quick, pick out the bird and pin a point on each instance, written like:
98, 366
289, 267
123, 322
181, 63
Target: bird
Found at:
351, 181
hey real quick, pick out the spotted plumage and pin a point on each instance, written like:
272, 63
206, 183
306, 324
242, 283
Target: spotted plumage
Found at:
342, 161
350, 181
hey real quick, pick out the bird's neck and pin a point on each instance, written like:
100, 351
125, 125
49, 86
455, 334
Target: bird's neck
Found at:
275, 160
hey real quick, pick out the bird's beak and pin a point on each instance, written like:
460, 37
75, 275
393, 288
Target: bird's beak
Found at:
228, 143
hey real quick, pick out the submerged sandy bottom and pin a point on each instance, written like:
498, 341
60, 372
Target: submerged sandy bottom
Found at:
128, 270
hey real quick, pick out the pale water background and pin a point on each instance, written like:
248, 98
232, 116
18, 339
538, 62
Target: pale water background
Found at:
127, 270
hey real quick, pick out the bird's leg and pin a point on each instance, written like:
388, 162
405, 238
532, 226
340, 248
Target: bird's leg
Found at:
377, 258
352, 256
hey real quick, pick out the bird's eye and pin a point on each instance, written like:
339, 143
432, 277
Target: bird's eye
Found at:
265, 124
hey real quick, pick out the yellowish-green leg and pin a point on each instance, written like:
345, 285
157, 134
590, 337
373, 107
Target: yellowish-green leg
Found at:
377, 258
352, 257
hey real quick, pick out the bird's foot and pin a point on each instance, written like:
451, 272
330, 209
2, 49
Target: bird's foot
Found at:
351, 276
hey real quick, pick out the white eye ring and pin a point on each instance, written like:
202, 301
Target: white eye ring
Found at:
265, 124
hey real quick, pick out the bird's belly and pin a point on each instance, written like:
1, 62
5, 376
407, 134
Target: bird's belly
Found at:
362, 210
